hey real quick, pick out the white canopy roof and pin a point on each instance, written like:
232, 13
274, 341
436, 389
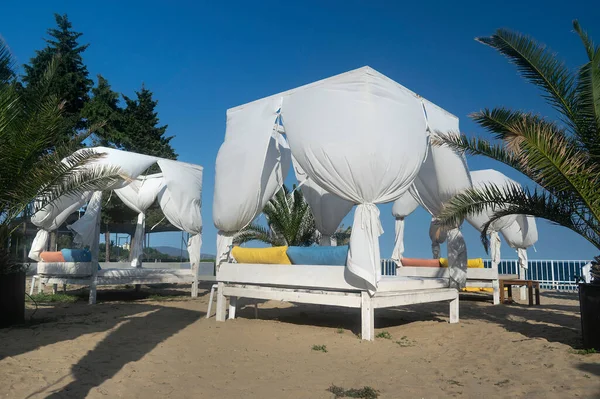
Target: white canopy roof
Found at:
359, 136
178, 189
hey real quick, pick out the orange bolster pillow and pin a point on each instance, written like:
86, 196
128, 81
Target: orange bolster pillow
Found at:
52, 256
420, 262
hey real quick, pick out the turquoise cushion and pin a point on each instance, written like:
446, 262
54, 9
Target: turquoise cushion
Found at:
77, 255
331, 256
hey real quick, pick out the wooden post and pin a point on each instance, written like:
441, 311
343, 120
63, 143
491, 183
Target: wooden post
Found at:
522, 288
220, 303
232, 307
367, 316
496, 288
54, 289
94, 249
530, 292
195, 271
454, 309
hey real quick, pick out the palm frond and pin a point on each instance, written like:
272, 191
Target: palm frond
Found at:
588, 43
540, 66
513, 199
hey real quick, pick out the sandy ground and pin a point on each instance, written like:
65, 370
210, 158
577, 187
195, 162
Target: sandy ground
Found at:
140, 346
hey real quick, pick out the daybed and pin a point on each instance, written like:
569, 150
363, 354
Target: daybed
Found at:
328, 285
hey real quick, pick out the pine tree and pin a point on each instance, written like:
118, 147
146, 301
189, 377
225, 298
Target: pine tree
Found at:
103, 111
70, 83
7, 72
140, 124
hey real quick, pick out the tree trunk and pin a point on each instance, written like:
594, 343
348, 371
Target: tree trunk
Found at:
107, 240
53, 241
24, 242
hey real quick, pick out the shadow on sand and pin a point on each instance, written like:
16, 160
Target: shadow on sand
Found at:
128, 319
553, 322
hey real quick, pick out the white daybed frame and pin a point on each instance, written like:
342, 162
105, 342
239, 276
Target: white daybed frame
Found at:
476, 277
326, 285
127, 276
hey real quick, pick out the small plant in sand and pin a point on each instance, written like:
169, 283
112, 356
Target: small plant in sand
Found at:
340, 330
590, 351
384, 335
320, 348
57, 298
364, 392
404, 342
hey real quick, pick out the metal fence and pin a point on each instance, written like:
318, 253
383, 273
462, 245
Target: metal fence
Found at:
552, 274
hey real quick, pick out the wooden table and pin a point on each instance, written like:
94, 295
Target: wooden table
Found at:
530, 286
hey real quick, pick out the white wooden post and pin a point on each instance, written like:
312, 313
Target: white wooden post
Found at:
220, 303
522, 288
232, 306
195, 271
454, 312
94, 249
496, 294
54, 289
64, 288
367, 317
32, 285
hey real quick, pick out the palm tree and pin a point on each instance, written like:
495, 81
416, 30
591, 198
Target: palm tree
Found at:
342, 235
561, 156
32, 166
289, 222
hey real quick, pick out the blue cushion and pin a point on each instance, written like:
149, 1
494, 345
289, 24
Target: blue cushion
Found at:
331, 256
77, 255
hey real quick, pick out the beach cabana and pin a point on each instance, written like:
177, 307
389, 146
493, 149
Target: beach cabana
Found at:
177, 188
359, 136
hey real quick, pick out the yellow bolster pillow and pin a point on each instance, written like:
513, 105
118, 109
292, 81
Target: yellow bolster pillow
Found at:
270, 256
471, 263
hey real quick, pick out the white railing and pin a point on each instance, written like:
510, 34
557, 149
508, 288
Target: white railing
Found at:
552, 274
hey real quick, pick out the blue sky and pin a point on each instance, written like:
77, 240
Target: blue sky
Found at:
200, 58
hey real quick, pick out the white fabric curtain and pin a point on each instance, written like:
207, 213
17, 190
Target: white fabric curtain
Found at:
457, 255
130, 164
51, 216
328, 209
443, 175
480, 179
180, 199
139, 195
438, 236
521, 234
402, 207
251, 166
84, 228
362, 137
398, 250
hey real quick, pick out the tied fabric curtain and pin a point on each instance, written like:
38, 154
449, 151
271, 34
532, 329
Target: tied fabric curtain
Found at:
361, 137
443, 175
139, 195
402, 207
180, 199
85, 227
521, 234
481, 178
251, 166
328, 209
51, 216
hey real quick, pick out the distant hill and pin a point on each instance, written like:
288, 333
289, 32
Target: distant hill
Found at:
176, 252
